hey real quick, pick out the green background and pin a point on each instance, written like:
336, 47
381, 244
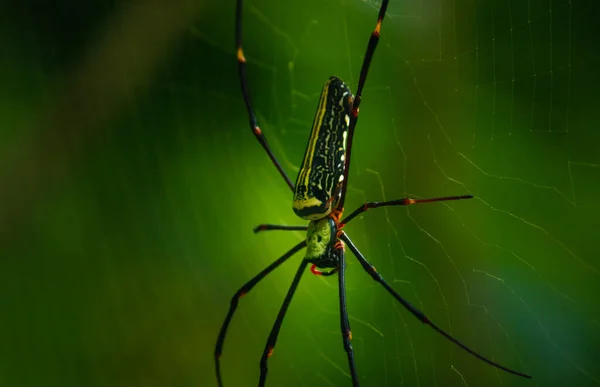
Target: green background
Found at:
130, 184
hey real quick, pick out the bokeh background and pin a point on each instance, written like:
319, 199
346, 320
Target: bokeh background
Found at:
130, 184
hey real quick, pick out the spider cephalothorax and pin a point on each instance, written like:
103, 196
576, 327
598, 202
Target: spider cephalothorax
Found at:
323, 244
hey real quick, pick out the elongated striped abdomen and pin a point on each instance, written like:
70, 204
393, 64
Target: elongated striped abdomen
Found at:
319, 180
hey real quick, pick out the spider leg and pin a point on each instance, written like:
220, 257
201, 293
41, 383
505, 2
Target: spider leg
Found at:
239, 294
400, 202
245, 92
364, 71
345, 324
269, 227
370, 269
272, 340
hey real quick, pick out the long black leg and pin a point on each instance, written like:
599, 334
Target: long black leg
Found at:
269, 227
345, 324
244, 83
400, 202
416, 312
240, 293
364, 71
272, 340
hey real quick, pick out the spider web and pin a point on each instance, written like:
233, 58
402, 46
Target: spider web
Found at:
462, 97
130, 270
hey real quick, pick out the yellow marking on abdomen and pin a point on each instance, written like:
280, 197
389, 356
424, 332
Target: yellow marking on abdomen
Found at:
310, 151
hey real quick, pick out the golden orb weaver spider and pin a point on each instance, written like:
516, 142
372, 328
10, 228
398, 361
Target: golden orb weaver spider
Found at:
319, 195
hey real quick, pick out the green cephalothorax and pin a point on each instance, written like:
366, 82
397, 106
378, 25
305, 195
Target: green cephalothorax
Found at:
320, 241
322, 172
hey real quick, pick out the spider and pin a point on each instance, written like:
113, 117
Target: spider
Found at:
318, 196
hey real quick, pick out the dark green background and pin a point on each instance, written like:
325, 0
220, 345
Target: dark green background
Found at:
130, 184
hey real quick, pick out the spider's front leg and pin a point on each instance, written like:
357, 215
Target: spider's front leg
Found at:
344, 323
272, 340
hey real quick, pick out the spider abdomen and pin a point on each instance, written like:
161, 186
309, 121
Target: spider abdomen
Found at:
321, 174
